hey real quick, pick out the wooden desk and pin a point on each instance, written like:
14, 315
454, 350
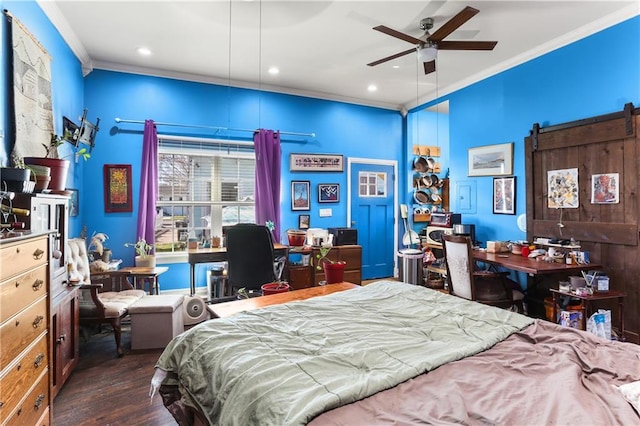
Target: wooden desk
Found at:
587, 299
516, 262
218, 254
227, 309
144, 274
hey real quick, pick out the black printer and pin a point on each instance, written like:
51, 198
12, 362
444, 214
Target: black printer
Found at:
344, 236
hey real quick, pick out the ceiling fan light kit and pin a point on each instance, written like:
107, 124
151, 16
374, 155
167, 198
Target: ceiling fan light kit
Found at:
427, 53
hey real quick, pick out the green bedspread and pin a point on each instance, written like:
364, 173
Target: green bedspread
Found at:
286, 364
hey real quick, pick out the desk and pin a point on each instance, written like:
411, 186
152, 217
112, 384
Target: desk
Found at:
588, 298
227, 309
219, 254
144, 274
528, 265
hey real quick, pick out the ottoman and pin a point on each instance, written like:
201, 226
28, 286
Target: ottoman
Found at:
155, 320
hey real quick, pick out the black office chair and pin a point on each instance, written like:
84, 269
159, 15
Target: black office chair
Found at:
250, 257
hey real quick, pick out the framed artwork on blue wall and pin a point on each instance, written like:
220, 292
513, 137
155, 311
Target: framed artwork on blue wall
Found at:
328, 193
491, 160
504, 195
300, 191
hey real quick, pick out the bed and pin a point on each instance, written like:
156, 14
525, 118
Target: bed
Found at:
394, 353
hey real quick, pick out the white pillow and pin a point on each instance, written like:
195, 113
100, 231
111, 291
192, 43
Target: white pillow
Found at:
631, 392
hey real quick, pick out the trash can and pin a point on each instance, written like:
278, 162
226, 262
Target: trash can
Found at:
216, 282
410, 263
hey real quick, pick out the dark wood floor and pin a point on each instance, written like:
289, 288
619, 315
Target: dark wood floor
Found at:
107, 390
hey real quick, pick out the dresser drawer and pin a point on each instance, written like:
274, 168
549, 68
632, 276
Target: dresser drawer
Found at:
19, 257
21, 290
31, 409
17, 379
22, 329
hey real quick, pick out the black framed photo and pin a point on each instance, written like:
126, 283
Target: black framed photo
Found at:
328, 193
303, 221
300, 195
504, 195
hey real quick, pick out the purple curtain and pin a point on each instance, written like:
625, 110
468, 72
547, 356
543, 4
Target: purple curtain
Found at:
148, 184
267, 146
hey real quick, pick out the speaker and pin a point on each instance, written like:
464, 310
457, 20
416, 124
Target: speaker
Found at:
195, 310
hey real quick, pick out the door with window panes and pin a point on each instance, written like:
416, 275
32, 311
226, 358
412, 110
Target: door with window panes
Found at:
202, 187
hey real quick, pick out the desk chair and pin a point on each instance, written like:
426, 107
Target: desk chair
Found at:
488, 287
250, 257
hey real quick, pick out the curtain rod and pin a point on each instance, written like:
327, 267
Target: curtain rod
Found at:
120, 120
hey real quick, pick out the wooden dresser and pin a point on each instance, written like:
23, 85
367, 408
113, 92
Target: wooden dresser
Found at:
24, 328
301, 277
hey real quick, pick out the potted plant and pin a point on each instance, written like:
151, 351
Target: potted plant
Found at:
333, 269
17, 178
59, 167
143, 258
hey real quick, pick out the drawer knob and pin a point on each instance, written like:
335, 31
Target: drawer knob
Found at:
61, 339
38, 254
38, 360
37, 285
39, 400
38, 321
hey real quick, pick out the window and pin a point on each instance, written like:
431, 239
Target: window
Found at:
203, 185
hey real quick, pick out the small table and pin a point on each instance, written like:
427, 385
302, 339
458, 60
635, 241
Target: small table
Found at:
588, 298
227, 309
146, 275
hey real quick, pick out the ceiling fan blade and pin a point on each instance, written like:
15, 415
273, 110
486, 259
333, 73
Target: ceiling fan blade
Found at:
398, 34
429, 67
466, 45
452, 24
388, 58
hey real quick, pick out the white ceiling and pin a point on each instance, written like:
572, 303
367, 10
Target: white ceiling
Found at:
321, 47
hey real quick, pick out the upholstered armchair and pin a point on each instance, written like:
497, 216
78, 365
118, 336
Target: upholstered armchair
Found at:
105, 297
488, 287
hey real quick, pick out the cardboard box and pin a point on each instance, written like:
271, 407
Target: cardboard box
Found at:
497, 247
571, 319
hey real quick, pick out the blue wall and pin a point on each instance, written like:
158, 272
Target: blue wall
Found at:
568, 84
564, 85
354, 131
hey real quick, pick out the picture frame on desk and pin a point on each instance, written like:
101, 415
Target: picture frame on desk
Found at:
504, 195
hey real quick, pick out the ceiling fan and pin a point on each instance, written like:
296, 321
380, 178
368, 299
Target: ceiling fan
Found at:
428, 45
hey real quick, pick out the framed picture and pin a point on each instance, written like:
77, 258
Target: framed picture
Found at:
300, 199
491, 160
328, 193
605, 188
316, 163
117, 188
504, 195
303, 221
74, 206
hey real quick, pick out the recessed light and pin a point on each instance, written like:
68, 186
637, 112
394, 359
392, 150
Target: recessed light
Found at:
145, 51
274, 70
396, 66
372, 88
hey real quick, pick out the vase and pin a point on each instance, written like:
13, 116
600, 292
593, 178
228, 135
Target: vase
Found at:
148, 261
59, 169
334, 272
